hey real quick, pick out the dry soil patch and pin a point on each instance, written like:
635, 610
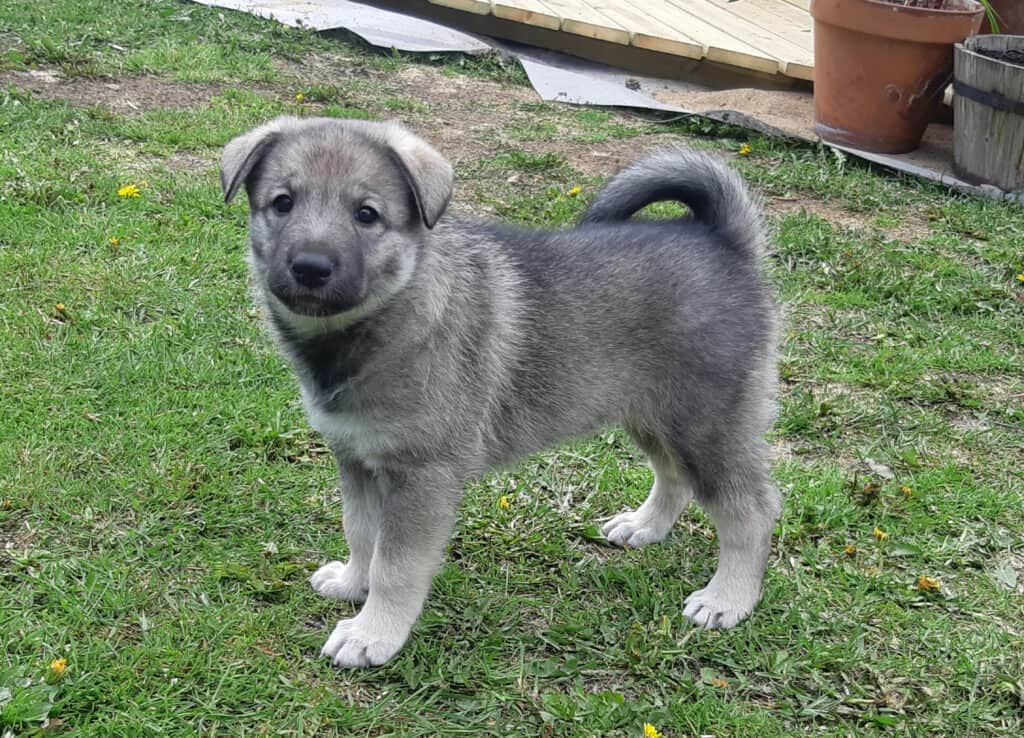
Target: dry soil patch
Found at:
910, 228
124, 95
464, 116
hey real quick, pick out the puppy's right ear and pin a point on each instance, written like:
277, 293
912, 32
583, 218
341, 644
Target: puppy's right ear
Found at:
428, 174
245, 152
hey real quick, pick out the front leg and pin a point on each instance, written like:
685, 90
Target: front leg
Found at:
416, 521
362, 499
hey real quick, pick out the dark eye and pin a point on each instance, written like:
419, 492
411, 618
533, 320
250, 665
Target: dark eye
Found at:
282, 203
366, 214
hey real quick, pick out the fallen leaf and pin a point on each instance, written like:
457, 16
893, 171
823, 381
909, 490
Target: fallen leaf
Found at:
880, 469
1006, 576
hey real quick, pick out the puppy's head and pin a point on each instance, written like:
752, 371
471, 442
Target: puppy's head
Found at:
337, 209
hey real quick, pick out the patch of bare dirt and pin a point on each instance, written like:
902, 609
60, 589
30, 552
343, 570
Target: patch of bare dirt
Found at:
15, 539
784, 111
461, 115
604, 158
466, 117
457, 120
1001, 391
910, 228
125, 95
188, 161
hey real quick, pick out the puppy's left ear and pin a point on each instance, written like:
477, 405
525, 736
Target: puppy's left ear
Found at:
428, 174
245, 152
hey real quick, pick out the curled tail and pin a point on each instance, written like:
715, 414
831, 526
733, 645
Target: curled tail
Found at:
714, 193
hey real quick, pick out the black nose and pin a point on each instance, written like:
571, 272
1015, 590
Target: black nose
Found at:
312, 269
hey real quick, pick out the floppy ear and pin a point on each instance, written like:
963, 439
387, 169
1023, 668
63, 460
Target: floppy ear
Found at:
243, 153
428, 174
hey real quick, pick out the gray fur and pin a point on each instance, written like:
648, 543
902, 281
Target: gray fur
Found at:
442, 348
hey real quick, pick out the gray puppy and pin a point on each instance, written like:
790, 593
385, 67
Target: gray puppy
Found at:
430, 349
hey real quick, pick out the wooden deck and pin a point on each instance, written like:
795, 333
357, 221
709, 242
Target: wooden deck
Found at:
765, 36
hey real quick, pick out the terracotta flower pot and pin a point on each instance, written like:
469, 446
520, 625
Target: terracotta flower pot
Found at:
880, 69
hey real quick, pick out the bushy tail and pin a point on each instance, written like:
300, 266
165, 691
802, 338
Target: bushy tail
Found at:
714, 193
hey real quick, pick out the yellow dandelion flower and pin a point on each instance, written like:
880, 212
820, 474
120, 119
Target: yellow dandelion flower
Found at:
60, 307
1020, 277
503, 503
927, 584
907, 491
57, 668
744, 149
115, 241
575, 191
128, 191
850, 550
880, 534
299, 97
651, 732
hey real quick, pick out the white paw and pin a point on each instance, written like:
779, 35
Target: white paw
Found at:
636, 528
711, 608
340, 581
354, 645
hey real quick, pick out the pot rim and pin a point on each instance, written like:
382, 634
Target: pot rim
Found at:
963, 49
890, 4
899, 22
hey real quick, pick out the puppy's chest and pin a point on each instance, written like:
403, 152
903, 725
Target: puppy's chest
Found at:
328, 368
356, 419
328, 362
353, 434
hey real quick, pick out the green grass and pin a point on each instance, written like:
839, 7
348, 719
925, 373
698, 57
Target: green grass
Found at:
162, 500
176, 39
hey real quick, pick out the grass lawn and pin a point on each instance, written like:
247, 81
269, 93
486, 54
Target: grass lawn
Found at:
162, 500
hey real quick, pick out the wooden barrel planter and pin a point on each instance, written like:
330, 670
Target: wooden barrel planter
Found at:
988, 110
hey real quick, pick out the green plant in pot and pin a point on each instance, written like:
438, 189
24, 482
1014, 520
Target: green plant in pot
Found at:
1003, 16
880, 67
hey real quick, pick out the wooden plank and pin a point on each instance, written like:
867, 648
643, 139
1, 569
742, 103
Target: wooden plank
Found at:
649, 34
740, 27
782, 51
477, 7
780, 18
798, 70
769, 36
784, 20
528, 12
718, 45
581, 18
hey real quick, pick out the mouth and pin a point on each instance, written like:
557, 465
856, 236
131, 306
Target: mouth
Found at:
312, 305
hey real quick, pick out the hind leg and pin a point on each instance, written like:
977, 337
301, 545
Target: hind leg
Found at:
651, 522
744, 507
